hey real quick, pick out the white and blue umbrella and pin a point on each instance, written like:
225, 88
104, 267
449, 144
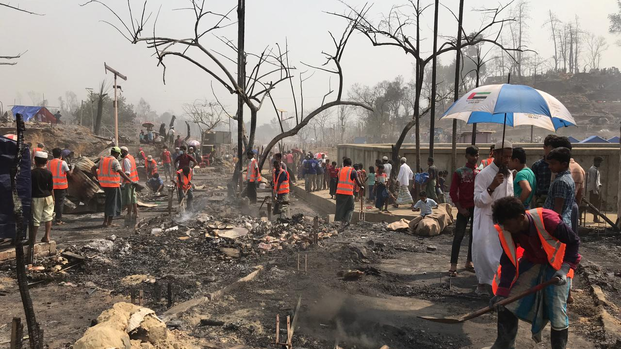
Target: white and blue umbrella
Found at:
512, 105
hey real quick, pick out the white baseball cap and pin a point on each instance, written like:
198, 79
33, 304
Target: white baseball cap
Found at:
125, 148
385, 158
508, 145
41, 155
150, 157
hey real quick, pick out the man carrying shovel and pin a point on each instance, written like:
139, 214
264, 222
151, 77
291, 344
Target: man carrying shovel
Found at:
184, 186
550, 251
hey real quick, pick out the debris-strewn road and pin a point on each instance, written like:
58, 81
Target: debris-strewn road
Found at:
362, 288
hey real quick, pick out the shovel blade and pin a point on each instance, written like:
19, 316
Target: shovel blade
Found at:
442, 320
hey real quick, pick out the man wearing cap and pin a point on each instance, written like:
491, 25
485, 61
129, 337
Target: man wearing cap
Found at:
387, 166
150, 166
128, 191
60, 170
109, 173
494, 182
403, 180
143, 156
42, 197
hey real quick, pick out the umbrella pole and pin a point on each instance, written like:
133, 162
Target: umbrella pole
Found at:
504, 128
474, 134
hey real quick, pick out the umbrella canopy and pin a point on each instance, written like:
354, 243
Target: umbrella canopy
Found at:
194, 143
520, 105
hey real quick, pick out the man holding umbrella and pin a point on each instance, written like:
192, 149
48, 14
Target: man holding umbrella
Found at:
493, 182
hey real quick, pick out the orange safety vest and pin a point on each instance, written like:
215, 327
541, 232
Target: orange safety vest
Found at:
108, 178
153, 169
284, 186
487, 162
186, 180
133, 170
59, 175
345, 185
555, 250
252, 173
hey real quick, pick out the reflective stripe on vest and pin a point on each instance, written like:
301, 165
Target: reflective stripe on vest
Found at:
284, 186
345, 184
186, 180
108, 178
59, 175
252, 173
555, 250
133, 171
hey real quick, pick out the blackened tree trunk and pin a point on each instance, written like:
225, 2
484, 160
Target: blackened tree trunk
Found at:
241, 81
434, 68
456, 85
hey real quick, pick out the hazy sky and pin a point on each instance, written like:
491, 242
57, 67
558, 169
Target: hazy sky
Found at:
68, 46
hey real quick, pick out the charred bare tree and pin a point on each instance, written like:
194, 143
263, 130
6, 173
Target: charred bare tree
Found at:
460, 25
206, 115
12, 59
252, 85
553, 22
392, 31
334, 60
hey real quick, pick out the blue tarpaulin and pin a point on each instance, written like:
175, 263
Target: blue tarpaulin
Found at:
614, 139
8, 149
594, 139
35, 113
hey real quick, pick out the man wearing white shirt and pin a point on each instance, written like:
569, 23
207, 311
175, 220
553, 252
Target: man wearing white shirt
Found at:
403, 179
594, 185
494, 182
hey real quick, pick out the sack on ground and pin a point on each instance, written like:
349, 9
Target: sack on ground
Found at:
433, 224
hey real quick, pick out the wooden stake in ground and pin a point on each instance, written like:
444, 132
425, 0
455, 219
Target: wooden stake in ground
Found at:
17, 332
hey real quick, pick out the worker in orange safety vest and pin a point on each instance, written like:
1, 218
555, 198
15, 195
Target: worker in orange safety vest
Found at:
281, 190
345, 204
109, 173
550, 250
60, 170
253, 177
184, 185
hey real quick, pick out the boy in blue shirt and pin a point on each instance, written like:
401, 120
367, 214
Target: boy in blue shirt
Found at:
425, 205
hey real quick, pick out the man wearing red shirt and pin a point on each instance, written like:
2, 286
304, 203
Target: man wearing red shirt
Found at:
462, 194
167, 162
334, 178
184, 159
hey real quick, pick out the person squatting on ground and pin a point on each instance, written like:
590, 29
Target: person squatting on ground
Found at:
60, 170
155, 183
462, 195
109, 173
550, 251
253, 177
345, 204
128, 191
184, 186
281, 190
42, 197
493, 182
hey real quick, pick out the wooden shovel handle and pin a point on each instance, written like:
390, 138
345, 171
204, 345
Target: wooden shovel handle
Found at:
509, 300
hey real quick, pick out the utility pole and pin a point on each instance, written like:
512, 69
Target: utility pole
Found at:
116, 102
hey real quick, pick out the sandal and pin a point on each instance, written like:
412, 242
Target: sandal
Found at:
452, 273
469, 268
